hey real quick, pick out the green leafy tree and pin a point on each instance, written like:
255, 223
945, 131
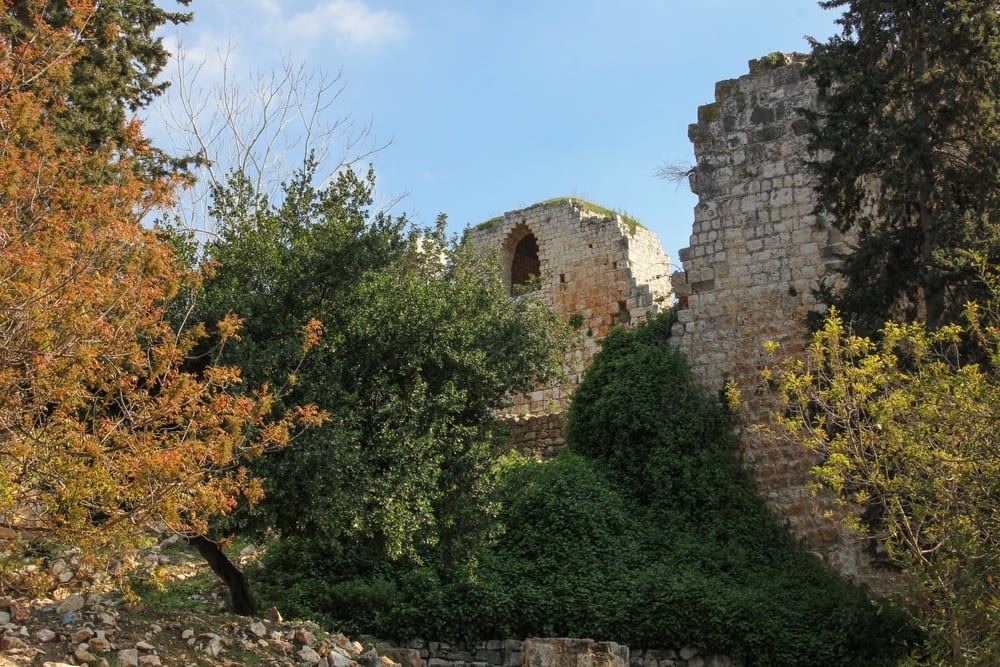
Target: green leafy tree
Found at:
907, 139
420, 345
909, 444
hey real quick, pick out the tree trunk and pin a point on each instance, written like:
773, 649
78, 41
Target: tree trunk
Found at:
931, 289
231, 575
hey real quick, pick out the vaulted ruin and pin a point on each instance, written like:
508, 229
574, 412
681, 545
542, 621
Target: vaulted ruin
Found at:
587, 262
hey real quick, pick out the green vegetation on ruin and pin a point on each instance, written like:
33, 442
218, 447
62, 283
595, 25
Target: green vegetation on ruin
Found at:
487, 224
631, 222
644, 530
773, 59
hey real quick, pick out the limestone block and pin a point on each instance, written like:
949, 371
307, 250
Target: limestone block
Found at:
573, 653
406, 657
128, 657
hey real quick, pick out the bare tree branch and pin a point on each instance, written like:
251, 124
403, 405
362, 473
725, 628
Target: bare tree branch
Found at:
265, 125
675, 172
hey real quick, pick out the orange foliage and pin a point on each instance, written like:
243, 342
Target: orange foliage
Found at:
101, 431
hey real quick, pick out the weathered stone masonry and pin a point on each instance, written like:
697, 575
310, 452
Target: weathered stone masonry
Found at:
548, 653
585, 261
756, 254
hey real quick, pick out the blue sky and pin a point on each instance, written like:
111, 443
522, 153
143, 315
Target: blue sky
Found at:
492, 106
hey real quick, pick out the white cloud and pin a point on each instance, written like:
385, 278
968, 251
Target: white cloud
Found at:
269, 7
351, 21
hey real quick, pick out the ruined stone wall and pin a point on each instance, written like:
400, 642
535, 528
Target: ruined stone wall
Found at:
756, 253
515, 653
540, 435
590, 263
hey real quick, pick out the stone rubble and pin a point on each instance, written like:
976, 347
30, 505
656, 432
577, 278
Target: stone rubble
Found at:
88, 629
40, 637
558, 652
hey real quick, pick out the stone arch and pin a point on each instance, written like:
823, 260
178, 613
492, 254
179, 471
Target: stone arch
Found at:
522, 261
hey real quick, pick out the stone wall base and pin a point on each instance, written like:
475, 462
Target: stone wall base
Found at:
538, 435
548, 653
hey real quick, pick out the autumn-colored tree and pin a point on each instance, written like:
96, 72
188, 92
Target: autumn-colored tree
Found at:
102, 433
115, 73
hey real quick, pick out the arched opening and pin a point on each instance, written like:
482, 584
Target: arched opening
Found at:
525, 267
522, 260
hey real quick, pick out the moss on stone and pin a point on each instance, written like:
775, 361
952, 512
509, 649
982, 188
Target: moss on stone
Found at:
487, 224
629, 221
726, 87
709, 112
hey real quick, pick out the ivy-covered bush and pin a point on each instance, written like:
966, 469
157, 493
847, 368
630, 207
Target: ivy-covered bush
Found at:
645, 530
567, 551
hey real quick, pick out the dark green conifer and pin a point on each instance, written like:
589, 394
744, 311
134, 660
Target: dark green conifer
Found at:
907, 148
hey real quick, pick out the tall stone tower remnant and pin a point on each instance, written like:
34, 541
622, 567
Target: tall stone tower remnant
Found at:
588, 263
757, 251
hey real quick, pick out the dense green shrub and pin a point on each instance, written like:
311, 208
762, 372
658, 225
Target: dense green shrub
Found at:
567, 550
639, 413
644, 530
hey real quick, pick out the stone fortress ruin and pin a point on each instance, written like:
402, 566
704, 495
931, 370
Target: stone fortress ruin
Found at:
756, 253
596, 268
